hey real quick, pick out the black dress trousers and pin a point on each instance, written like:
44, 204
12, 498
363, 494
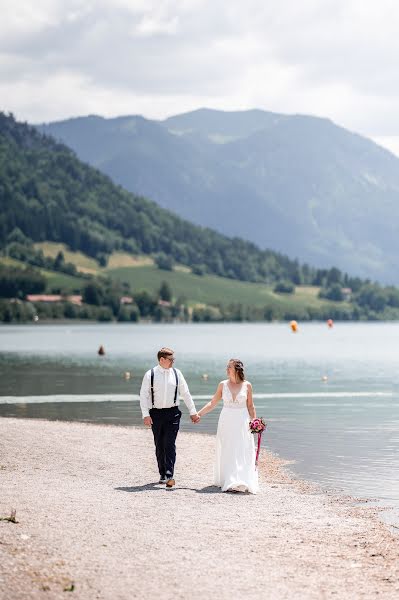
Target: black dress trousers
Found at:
165, 426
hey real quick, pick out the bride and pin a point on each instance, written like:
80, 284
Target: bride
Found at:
235, 448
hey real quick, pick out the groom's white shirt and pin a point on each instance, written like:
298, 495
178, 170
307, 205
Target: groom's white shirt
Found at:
164, 391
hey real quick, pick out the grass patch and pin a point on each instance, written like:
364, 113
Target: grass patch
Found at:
86, 264
209, 289
55, 279
12, 262
83, 263
12, 518
67, 283
121, 259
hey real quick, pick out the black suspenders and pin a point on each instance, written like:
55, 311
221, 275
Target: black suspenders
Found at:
177, 385
152, 387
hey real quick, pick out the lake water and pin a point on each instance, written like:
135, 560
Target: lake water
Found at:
330, 396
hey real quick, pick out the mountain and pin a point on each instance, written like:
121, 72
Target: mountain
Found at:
47, 193
221, 127
298, 184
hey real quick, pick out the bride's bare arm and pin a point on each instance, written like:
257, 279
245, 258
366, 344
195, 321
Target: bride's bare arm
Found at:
250, 403
211, 405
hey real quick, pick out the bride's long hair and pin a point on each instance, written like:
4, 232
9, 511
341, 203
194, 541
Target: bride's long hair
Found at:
238, 367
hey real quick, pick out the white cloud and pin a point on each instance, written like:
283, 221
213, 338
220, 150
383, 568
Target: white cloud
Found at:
331, 58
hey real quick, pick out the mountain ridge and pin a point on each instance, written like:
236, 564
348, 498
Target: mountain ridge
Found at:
298, 184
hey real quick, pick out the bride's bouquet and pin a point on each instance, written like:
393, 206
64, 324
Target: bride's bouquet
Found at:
257, 426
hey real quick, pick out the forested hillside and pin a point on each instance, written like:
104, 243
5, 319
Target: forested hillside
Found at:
48, 194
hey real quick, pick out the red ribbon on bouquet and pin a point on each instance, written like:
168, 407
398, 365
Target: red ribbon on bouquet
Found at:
258, 449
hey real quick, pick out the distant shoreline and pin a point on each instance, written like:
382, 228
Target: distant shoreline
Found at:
196, 323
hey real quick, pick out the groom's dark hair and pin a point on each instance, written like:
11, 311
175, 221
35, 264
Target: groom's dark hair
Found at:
165, 353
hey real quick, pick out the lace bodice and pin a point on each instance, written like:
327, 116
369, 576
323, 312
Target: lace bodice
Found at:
238, 401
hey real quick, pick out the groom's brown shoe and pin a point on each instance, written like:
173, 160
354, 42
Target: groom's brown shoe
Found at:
170, 482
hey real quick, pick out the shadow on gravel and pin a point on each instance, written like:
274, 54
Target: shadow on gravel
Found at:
148, 487
210, 489
156, 487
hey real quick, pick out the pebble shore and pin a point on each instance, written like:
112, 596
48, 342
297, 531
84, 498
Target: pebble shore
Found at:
92, 523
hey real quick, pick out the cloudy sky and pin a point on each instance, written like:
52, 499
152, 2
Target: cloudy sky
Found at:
331, 58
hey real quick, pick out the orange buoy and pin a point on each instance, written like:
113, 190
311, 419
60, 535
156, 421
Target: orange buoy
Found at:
294, 326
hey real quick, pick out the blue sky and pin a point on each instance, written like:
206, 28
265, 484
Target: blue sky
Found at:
336, 59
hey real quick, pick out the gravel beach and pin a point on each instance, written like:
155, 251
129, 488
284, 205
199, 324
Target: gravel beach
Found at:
92, 523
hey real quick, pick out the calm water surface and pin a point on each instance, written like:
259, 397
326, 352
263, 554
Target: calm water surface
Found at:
330, 396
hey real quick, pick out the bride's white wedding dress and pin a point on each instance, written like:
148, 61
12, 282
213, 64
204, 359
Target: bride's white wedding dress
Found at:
235, 447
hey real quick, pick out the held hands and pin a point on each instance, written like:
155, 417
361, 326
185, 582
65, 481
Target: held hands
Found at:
148, 421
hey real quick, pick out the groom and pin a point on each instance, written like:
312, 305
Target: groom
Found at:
159, 400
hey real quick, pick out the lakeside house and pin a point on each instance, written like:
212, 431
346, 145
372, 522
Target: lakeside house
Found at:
73, 299
165, 303
346, 293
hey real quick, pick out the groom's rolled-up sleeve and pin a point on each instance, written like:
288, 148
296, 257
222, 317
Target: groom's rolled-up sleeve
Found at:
185, 394
145, 395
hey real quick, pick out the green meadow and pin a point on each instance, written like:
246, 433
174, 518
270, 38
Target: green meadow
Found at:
55, 280
209, 289
141, 273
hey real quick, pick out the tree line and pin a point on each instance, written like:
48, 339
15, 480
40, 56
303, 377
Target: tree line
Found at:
102, 301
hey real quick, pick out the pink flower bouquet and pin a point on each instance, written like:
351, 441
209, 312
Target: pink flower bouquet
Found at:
257, 425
